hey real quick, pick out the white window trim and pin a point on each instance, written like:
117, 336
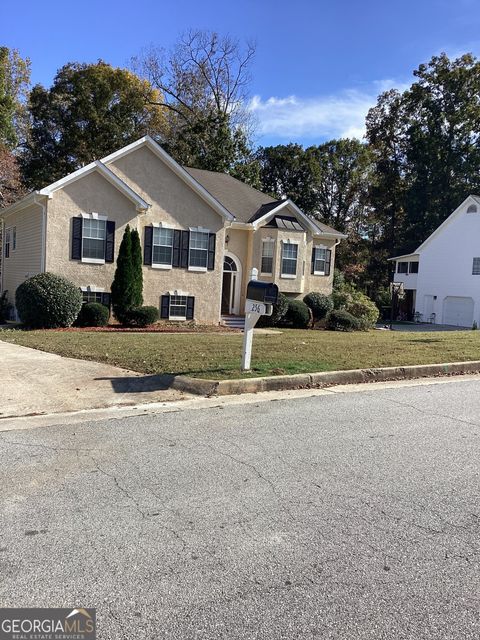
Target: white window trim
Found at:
90, 288
288, 276
159, 265
8, 232
177, 293
93, 216
269, 241
315, 247
198, 269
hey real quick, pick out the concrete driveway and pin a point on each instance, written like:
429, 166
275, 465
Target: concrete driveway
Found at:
35, 382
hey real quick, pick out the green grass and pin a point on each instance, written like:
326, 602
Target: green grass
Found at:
217, 355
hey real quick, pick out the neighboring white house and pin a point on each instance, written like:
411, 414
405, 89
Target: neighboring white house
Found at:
442, 277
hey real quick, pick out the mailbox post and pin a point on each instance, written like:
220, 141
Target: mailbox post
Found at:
261, 296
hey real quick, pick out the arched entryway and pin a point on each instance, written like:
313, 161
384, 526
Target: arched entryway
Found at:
232, 281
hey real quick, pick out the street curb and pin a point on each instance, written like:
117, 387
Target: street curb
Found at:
320, 379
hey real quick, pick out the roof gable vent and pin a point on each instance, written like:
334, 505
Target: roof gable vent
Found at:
472, 208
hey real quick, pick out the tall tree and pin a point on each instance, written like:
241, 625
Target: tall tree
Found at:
137, 269
203, 83
123, 289
14, 81
288, 171
11, 187
90, 111
426, 144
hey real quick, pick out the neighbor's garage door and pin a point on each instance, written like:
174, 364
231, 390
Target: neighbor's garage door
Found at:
458, 311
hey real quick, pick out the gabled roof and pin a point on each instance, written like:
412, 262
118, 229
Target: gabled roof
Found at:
98, 166
239, 198
446, 222
190, 180
250, 205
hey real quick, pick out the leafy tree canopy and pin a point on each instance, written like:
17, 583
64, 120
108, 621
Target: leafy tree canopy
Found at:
90, 111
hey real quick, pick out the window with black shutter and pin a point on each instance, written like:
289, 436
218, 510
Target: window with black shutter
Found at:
328, 262
211, 252
185, 241
165, 307
110, 241
77, 226
147, 245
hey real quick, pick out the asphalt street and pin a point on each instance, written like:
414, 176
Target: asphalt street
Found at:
348, 516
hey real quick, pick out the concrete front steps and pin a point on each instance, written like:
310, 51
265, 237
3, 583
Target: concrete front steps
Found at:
234, 322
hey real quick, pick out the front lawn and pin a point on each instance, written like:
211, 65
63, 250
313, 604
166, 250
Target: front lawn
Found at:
217, 355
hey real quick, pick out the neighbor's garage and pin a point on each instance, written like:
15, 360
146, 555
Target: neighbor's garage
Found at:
458, 311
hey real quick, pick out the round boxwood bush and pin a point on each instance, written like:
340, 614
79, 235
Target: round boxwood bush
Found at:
319, 303
298, 314
340, 320
142, 316
279, 311
93, 314
46, 301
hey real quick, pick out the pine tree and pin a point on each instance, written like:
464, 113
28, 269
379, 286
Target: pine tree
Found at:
123, 285
137, 296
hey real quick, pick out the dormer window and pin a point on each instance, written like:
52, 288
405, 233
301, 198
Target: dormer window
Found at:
472, 208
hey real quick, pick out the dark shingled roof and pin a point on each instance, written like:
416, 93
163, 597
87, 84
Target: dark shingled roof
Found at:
240, 199
244, 202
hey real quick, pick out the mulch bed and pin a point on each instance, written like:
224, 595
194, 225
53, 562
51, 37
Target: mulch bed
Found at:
156, 328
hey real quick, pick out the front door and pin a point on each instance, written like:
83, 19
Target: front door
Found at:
226, 290
229, 286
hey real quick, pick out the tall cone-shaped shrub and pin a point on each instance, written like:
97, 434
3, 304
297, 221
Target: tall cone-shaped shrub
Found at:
123, 285
137, 262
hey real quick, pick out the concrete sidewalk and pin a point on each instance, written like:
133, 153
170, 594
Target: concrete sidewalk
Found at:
36, 382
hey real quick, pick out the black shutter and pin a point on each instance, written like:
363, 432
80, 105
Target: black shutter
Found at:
110, 241
177, 240
184, 249
328, 262
165, 307
190, 307
313, 260
148, 245
106, 299
211, 252
77, 226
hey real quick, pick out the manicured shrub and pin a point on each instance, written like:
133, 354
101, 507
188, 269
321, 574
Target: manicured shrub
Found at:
279, 311
128, 280
93, 314
298, 314
340, 320
141, 316
364, 309
319, 303
47, 301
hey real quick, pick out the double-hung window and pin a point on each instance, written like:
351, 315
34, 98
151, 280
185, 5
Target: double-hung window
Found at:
289, 259
92, 296
319, 260
93, 239
162, 247
8, 235
402, 267
267, 257
476, 267
178, 307
198, 250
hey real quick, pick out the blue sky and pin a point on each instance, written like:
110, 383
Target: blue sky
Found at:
319, 63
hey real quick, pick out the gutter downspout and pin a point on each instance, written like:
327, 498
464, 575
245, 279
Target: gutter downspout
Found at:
43, 259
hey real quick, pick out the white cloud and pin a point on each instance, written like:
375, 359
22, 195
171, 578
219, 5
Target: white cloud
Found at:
325, 117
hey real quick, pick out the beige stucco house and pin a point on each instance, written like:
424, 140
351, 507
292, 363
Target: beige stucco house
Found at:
202, 233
